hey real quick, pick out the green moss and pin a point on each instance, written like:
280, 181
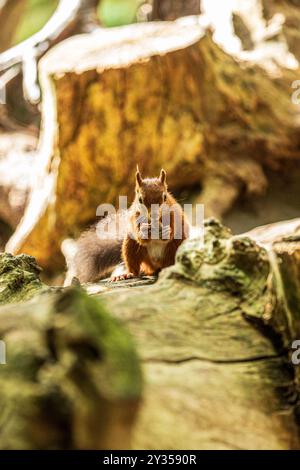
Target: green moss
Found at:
71, 365
223, 263
19, 278
88, 318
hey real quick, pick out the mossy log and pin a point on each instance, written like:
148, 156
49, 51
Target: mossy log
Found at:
213, 335
11, 12
160, 94
72, 378
215, 347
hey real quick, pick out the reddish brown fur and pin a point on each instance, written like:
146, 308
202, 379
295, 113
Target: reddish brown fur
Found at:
96, 258
135, 252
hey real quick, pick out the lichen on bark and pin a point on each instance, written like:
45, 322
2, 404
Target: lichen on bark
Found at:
19, 278
209, 350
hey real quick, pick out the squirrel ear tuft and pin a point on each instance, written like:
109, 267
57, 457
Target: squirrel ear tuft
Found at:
138, 177
163, 176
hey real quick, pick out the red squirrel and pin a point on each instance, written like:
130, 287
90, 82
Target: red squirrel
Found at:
150, 237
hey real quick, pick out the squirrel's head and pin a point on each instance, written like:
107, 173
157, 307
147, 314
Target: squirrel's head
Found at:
151, 190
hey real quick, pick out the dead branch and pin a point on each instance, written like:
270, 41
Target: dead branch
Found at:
67, 19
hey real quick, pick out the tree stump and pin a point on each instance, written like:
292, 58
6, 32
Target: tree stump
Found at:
160, 94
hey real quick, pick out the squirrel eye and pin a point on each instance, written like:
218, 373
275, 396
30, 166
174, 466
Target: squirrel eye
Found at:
164, 197
140, 200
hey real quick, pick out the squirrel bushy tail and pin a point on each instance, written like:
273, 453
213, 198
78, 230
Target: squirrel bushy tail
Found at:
96, 258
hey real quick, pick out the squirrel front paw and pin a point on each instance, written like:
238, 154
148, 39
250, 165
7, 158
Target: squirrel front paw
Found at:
165, 232
145, 232
122, 277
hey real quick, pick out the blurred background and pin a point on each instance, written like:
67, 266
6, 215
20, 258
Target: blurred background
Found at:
239, 149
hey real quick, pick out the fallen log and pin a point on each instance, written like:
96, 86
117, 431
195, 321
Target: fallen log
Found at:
71, 378
213, 337
160, 94
215, 348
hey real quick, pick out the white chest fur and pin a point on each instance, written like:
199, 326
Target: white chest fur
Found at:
156, 251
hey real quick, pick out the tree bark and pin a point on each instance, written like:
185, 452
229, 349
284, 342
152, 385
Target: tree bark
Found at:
215, 346
17, 154
172, 9
213, 335
88, 17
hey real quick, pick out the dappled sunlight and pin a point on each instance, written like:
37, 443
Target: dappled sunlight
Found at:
149, 228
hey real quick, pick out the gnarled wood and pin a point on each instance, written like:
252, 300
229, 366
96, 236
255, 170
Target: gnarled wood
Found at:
69, 18
216, 376
213, 336
217, 340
